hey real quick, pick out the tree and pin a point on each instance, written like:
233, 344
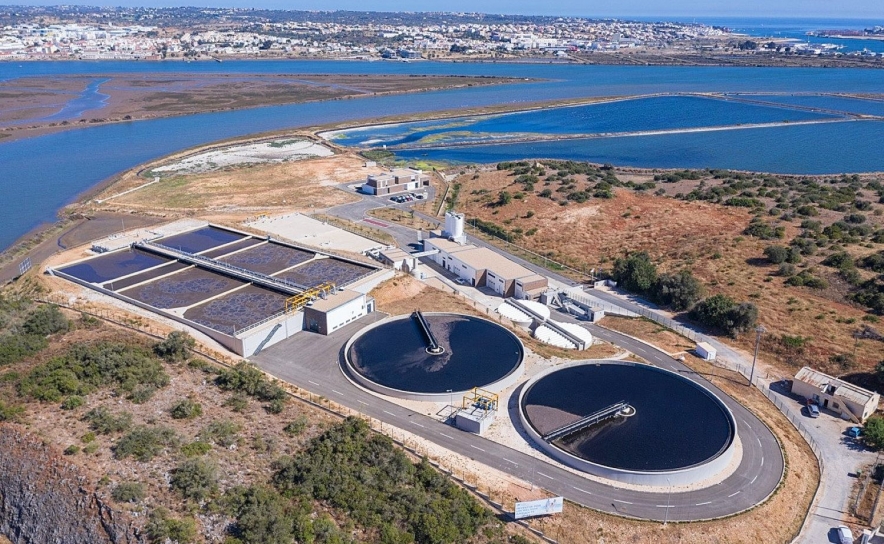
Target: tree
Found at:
635, 273
723, 313
174, 347
678, 291
776, 254
873, 432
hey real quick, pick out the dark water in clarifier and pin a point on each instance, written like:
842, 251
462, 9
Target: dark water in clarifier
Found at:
477, 353
677, 424
115, 265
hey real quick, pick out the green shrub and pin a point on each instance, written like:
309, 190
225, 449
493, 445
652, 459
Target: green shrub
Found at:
677, 291
10, 412
237, 403
175, 347
161, 528
805, 278
103, 421
87, 367
776, 254
195, 479
72, 402
246, 378
276, 406
15, 347
221, 432
186, 409
45, 320
128, 492
145, 443
72, 450
196, 449
722, 313
90, 448
296, 427
362, 473
88, 437
263, 515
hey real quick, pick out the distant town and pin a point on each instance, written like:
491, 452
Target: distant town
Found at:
85, 33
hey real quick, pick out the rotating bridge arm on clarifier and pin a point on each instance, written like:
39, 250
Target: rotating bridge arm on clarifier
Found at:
432, 344
585, 422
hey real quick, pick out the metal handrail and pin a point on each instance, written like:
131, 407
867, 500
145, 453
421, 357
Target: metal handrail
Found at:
583, 422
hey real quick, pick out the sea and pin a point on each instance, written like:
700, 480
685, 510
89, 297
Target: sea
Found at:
40, 175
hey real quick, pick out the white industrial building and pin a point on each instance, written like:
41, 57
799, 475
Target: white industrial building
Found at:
399, 180
328, 314
848, 400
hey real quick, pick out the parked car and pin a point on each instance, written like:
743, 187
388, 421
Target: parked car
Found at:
461, 281
813, 410
854, 432
845, 535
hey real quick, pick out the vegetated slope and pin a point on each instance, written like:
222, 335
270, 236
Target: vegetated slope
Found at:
717, 225
184, 449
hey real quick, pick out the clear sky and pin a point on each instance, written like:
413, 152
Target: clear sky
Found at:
834, 9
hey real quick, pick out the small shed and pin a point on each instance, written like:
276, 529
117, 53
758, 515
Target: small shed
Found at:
705, 351
847, 400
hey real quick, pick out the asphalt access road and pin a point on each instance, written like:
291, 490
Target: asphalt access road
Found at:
311, 362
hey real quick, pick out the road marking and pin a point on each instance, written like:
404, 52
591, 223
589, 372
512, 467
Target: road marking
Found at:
759, 441
704, 503
545, 476
582, 490
338, 392
446, 436
476, 447
362, 402
665, 506
418, 424
311, 381
508, 461
391, 413
762, 461
753, 479
618, 500
732, 494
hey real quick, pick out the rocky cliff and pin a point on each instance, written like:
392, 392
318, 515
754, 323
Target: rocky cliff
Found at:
46, 499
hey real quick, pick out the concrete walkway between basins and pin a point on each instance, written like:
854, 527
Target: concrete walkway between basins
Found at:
841, 456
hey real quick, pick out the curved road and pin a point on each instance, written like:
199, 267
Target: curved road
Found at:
312, 362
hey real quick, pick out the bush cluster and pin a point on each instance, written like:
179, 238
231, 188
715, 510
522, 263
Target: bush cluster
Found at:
195, 479
87, 367
247, 379
637, 274
364, 474
722, 313
103, 421
186, 409
144, 443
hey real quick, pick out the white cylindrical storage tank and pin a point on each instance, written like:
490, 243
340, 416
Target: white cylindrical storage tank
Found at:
454, 223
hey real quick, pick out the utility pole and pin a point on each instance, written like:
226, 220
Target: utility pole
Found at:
759, 330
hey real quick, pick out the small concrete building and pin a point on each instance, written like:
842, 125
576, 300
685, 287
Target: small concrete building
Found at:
480, 266
400, 180
705, 351
848, 400
326, 315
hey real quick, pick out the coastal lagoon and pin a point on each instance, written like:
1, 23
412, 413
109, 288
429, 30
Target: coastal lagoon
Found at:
39, 175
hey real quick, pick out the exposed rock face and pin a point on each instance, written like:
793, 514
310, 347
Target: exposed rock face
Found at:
45, 499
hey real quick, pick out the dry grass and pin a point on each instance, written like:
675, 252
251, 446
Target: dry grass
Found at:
402, 217
702, 237
649, 331
303, 185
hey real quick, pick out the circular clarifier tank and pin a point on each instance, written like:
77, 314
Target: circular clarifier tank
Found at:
629, 422
434, 356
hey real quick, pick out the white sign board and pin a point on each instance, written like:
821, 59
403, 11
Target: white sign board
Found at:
541, 507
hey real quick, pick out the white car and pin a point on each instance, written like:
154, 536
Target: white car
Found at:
461, 281
845, 536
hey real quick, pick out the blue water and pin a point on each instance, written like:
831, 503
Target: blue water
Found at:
801, 149
621, 116
89, 99
40, 175
837, 103
798, 29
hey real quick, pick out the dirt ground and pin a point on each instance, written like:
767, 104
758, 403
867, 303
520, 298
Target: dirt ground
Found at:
245, 191
649, 331
27, 102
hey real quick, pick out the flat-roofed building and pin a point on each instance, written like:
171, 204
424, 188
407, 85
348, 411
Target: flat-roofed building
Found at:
480, 266
399, 180
328, 314
848, 400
